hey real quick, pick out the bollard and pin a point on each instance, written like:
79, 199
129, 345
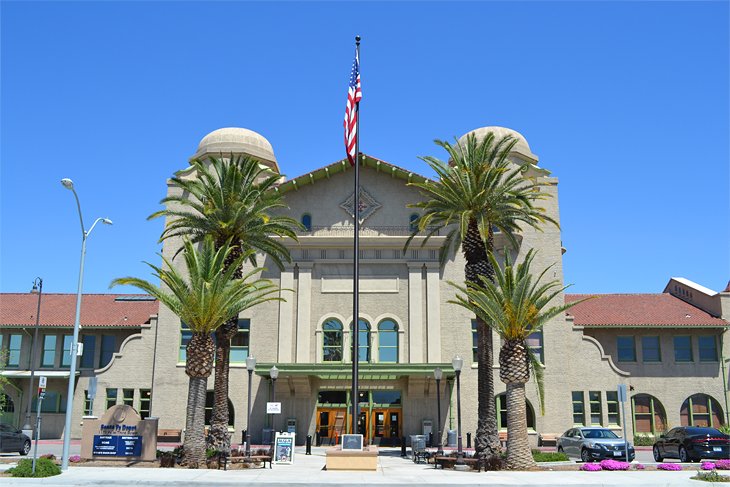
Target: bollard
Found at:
430, 440
468, 440
403, 447
317, 441
309, 445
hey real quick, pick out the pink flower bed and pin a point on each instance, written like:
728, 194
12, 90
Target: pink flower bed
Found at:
639, 466
74, 458
707, 466
591, 467
614, 465
669, 466
722, 464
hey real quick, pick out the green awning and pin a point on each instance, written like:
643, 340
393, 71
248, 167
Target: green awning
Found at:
366, 371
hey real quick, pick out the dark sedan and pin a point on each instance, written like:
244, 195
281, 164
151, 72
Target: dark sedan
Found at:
13, 440
691, 444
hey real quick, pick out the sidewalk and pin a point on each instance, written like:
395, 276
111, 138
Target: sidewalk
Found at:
392, 471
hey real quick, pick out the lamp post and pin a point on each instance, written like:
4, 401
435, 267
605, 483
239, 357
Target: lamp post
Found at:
37, 289
458, 363
68, 184
438, 374
274, 374
250, 366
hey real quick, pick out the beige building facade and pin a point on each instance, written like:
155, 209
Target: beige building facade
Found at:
674, 367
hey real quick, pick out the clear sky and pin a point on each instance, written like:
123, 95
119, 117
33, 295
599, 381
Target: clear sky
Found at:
625, 102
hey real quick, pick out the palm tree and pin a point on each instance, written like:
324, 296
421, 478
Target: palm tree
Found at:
515, 307
477, 192
231, 200
204, 301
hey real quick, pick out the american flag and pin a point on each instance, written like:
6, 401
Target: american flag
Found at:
354, 94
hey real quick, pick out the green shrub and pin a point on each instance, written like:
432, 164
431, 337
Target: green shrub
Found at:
540, 456
725, 428
43, 468
712, 476
643, 440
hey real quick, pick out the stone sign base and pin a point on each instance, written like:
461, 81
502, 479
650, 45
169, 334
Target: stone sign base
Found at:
338, 459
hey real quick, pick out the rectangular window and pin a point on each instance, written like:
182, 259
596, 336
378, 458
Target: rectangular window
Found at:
144, 403
66, 356
650, 349
51, 403
87, 359
474, 342
87, 404
185, 336
683, 349
612, 408
14, 345
596, 413
111, 398
626, 349
534, 341
128, 397
239, 343
108, 342
48, 358
578, 408
708, 348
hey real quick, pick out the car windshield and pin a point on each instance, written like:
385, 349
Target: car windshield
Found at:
599, 434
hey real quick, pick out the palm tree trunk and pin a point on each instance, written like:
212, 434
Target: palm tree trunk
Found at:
486, 440
195, 423
519, 454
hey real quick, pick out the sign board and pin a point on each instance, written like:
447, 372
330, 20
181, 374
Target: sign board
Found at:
120, 434
622, 392
273, 408
42, 381
284, 448
117, 445
352, 442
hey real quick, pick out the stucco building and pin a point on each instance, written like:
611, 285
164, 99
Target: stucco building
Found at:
668, 348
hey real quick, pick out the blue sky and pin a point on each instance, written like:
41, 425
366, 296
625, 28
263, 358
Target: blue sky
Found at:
625, 102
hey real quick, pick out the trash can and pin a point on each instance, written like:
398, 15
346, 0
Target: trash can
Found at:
451, 438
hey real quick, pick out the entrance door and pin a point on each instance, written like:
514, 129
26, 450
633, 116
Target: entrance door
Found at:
386, 427
330, 425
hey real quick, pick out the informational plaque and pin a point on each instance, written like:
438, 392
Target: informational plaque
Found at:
117, 445
352, 442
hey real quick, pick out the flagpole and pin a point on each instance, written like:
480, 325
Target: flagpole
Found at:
356, 269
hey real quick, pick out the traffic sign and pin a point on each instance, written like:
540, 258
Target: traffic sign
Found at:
42, 381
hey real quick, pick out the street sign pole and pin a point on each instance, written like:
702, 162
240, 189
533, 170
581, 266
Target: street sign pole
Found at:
622, 398
42, 381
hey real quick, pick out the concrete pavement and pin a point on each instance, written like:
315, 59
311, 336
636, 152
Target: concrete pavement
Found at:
392, 471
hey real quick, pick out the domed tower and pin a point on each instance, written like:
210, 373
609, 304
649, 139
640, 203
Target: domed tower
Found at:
236, 140
521, 149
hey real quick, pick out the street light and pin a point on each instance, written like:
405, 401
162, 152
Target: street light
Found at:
274, 374
250, 366
37, 289
458, 363
438, 374
68, 184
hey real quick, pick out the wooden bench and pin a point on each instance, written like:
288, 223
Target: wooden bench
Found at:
551, 438
225, 459
168, 435
451, 461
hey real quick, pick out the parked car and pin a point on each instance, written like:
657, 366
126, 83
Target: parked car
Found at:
594, 443
13, 440
692, 443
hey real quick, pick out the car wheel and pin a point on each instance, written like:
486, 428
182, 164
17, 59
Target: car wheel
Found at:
585, 456
26, 448
683, 457
657, 456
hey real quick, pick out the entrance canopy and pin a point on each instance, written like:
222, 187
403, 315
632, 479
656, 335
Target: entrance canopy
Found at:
366, 371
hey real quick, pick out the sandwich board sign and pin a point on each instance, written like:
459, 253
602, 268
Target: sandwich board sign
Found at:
284, 448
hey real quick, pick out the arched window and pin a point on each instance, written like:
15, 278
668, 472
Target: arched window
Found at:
502, 412
412, 222
649, 415
332, 341
701, 410
388, 341
363, 344
307, 222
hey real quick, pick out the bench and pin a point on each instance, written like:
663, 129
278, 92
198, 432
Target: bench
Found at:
168, 435
451, 461
421, 455
503, 439
225, 459
551, 438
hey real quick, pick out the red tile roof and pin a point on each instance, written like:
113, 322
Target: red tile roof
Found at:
653, 310
59, 310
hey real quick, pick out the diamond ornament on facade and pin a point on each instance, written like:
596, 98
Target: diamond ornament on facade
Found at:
367, 205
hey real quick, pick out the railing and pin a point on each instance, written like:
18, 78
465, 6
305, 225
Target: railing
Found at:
365, 231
